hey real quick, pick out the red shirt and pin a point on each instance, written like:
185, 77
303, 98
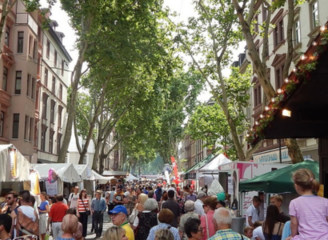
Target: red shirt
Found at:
58, 211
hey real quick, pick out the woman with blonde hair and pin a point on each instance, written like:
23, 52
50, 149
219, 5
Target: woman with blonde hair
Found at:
164, 234
115, 233
69, 227
308, 213
142, 198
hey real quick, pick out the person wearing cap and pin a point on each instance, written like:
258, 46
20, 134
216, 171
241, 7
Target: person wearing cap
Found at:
120, 218
73, 198
119, 196
189, 208
146, 219
98, 207
199, 203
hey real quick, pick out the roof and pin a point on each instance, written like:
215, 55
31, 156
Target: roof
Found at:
197, 166
65, 171
23, 166
304, 94
59, 42
84, 171
214, 163
101, 179
278, 181
114, 173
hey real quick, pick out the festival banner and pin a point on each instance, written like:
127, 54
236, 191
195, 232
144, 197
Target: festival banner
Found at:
13, 163
35, 186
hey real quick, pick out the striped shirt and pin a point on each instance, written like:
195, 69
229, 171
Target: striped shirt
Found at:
81, 207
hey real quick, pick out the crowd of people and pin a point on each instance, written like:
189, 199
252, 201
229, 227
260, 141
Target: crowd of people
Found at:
155, 213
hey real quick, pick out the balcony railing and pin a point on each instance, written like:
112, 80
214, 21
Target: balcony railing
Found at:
25, 18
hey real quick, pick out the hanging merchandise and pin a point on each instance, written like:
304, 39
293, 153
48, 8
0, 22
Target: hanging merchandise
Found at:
35, 186
13, 162
52, 175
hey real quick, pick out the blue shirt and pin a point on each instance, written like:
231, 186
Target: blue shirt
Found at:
286, 232
153, 231
98, 205
43, 205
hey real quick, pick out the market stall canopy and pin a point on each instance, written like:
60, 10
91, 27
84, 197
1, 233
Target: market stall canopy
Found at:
14, 167
131, 177
214, 163
101, 179
117, 174
84, 171
190, 172
152, 177
65, 171
278, 181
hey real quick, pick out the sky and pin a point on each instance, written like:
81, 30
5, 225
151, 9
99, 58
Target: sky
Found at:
184, 8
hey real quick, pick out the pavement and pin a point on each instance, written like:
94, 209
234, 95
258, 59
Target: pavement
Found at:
106, 225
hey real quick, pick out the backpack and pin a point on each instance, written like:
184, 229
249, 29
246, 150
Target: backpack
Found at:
25, 224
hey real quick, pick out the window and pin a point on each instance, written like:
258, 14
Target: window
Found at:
278, 33
30, 137
315, 14
257, 95
18, 82
279, 76
62, 67
15, 125
59, 136
53, 84
4, 79
43, 138
52, 111
2, 123
55, 60
35, 50
60, 110
51, 141
20, 42
28, 85
297, 32
33, 88
44, 106
46, 77
60, 92
48, 49
7, 34
30, 46
26, 129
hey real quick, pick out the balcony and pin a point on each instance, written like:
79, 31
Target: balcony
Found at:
25, 18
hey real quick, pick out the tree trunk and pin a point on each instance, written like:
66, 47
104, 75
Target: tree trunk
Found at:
294, 150
96, 157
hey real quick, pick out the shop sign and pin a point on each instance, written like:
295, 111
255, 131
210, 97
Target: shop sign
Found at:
272, 156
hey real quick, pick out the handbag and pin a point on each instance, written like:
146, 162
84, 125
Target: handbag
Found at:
87, 211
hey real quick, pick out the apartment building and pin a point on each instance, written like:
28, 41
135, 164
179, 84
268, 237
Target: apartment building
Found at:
22, 85
308, 18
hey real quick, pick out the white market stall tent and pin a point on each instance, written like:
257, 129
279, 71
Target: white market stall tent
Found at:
131, 178
87, 176
61, 172
101, 179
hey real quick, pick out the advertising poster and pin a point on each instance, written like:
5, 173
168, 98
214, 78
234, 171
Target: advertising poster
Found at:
52, 188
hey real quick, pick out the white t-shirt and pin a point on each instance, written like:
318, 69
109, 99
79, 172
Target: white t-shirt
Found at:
73, 198
258, 232
199, 207
28, 211
252, 212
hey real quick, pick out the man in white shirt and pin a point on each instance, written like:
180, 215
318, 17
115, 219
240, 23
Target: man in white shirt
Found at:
73, 198
199, 203
252, 213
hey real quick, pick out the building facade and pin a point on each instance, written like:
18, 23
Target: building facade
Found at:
307, 21
23, 60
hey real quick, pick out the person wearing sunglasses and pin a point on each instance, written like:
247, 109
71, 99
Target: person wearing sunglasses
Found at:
11, 201
193, 229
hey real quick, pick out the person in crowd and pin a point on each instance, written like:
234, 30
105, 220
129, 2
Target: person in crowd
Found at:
66, 192
11, 202
68, 227
258, 231
199, 203
191, 196
56, 215
272, 228
73, 198
262, 207
131, 200
180, 200
277, 200
164, 199
189, 208
98, 207
79, 231
248, 232
146, 219
110, 202
193, 229
83, 207
222, 223
206, 220
119, 195
308, 213
286, 232
220, 203
252, 213
141, 201
44, 209
5, 226
159, 193
120, 218
165, 218
115, 233
174, 207
164, 234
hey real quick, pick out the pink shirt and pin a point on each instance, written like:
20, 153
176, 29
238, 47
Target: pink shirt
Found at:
311, 213
211, 229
